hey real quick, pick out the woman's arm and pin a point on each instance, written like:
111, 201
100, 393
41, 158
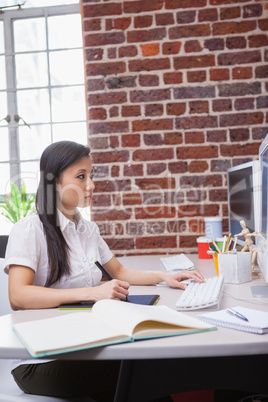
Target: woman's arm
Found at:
139, 277
24, 295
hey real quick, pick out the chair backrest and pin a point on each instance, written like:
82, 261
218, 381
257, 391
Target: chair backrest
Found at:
3, 245
4, 300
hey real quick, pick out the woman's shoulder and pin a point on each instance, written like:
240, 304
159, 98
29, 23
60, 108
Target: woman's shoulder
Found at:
29, 221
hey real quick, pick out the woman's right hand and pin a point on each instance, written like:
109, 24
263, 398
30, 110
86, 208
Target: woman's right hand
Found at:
114, 289
23, 294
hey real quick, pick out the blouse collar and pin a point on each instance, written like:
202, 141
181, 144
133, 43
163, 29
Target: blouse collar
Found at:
63, 221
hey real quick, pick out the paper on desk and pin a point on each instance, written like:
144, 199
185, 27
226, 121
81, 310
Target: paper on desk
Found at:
257, 320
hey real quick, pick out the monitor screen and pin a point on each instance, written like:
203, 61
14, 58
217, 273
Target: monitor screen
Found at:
262, 239
264, 163
243, 188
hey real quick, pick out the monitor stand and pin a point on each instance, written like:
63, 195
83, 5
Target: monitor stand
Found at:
259, 291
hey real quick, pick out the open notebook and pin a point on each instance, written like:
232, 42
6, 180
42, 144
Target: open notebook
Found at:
108, 322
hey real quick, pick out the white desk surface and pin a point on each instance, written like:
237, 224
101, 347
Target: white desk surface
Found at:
223, 342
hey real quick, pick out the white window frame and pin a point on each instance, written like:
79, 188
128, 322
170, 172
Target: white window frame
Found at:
8, 17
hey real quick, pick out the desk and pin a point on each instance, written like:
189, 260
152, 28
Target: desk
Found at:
223, 359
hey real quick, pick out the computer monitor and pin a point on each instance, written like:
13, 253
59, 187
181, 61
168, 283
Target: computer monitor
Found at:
262, 239
243, 183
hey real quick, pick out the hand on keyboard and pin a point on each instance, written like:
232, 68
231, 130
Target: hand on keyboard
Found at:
201, 295
175, 279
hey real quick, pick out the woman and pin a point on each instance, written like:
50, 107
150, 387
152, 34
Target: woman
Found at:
50, 261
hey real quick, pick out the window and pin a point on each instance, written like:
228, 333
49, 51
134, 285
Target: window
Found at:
42, 88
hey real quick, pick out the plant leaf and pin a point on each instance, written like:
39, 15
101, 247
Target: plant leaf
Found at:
17, 203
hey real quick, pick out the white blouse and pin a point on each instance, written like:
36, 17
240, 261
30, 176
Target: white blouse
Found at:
27, 246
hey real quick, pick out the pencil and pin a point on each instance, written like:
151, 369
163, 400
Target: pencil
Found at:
227, 243
223, 246
216, 246
235, 244
212, 247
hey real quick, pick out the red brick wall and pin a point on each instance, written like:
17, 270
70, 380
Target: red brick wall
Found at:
177, 93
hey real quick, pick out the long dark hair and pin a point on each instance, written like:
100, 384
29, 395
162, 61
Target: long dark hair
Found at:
54, 160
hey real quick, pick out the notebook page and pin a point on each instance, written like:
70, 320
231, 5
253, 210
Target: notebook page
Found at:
257, 320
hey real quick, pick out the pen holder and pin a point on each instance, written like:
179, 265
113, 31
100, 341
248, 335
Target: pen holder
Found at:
235, 267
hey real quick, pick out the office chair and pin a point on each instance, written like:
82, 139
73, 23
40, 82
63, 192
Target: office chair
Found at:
9, 391
3, 245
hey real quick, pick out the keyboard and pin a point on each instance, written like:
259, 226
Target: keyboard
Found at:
201, 295
176, 262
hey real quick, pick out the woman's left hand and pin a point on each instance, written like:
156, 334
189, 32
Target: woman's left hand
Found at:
174, 279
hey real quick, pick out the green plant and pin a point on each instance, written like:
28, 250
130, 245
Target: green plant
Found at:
17, 204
